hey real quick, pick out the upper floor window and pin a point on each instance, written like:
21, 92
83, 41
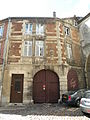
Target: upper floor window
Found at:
39, 48
69, 51
1, 31
27, 48
39, 29
67, 30
28, 28
75, 23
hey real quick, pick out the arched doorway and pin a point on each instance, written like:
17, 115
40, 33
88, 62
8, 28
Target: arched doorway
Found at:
46, 87
72, 80
88, 71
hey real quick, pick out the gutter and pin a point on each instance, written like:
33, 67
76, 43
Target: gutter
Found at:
4, 61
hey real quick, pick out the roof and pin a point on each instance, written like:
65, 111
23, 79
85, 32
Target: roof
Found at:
27, 18
84, 18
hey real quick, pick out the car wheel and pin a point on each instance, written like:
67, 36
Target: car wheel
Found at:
78, 103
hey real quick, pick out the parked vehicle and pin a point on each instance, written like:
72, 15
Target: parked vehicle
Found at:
85, 102
73, 97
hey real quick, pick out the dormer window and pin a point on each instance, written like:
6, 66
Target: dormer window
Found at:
67, 30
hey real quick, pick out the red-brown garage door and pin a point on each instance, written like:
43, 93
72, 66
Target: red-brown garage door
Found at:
45, 87
72, 80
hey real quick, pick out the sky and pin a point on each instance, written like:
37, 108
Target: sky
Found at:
43, 8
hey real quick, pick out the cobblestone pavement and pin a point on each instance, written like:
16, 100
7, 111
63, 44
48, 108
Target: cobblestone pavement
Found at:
42, 112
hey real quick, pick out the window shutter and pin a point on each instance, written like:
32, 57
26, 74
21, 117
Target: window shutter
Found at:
30, 48
26, 29
25, 50
37, 49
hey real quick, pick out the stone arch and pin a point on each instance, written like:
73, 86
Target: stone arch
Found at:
87, 70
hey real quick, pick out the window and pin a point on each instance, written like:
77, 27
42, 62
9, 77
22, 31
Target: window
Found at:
17, 85
28, 28
75, 23
1, 31
67, 30
39, 48
69, 50
39, 29
27, 48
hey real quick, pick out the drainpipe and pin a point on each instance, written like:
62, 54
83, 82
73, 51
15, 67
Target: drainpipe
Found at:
4, 59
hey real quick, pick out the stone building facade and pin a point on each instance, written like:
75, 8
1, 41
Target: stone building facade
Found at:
40, 58
84, 28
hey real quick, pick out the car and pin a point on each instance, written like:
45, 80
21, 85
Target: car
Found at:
73, 97
85, 102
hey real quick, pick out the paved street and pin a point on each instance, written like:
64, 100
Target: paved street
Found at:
42, 112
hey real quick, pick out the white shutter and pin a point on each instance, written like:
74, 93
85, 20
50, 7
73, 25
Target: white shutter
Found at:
37, 49
37, 29
26, 29
25, 50
30, 48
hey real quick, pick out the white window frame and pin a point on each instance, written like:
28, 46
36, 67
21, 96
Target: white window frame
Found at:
28, 48
39, 48
1, 30
28, 28
67, 30
39, 29
69, 51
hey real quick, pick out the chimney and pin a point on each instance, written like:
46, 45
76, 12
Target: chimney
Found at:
54, 14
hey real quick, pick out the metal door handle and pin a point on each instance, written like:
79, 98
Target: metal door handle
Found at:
43, 88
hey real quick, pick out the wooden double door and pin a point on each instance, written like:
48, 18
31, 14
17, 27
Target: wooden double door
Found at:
46, 87
17, 88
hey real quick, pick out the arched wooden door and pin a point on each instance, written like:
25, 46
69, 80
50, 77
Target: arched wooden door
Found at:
45, 87
72, 80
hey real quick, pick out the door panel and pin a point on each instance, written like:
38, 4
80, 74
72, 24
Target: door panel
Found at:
17, 88
38, 92
45, 87
72, 80
52, 87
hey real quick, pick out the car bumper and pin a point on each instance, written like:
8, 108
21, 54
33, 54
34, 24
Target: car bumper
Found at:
69, 102
85, 109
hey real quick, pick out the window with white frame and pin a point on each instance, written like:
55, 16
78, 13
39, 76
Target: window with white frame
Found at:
69, 51
28, 28
39, 29
67, 30
39, 48
27, 48
1, 31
